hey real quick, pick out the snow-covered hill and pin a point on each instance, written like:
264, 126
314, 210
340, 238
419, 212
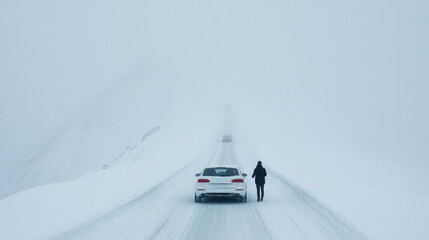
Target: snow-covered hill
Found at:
151, 159
101, 135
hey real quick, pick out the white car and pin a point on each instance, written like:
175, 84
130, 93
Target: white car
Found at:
221, 181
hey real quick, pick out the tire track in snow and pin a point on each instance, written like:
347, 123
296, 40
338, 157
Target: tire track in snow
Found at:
227, 219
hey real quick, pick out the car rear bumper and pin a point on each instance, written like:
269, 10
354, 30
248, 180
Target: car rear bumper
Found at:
236, 192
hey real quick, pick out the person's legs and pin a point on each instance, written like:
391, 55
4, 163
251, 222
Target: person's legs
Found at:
257, 190
262, 191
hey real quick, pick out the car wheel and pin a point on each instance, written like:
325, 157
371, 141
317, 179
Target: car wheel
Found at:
197, 199
244, 199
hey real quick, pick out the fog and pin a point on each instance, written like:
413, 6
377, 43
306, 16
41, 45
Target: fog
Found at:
353, 70
316, 85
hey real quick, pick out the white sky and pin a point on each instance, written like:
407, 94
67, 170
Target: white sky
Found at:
356, 69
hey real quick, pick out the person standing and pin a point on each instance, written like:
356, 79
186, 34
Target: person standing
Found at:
259, 174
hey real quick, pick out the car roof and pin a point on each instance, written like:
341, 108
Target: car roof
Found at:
221, 166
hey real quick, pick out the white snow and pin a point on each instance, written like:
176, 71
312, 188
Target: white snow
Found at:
50, 208
133, 201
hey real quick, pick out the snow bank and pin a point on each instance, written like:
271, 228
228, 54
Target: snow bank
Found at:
41, 211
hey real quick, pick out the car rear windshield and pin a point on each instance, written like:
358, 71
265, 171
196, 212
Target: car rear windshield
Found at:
220, 172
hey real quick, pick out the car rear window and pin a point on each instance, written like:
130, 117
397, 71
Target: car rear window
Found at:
220, 172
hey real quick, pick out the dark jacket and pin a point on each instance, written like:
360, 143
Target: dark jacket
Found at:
259, 174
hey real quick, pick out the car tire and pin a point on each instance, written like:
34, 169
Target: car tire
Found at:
244, 199
197, 199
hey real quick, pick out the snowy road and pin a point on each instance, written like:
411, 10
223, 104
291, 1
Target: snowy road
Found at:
168, 210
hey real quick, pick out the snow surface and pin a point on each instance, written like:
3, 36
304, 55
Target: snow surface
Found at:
153, 199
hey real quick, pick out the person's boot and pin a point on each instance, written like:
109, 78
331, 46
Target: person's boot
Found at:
259, 200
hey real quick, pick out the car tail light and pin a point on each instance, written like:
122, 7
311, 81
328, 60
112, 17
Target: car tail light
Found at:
237, 180
203, 180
